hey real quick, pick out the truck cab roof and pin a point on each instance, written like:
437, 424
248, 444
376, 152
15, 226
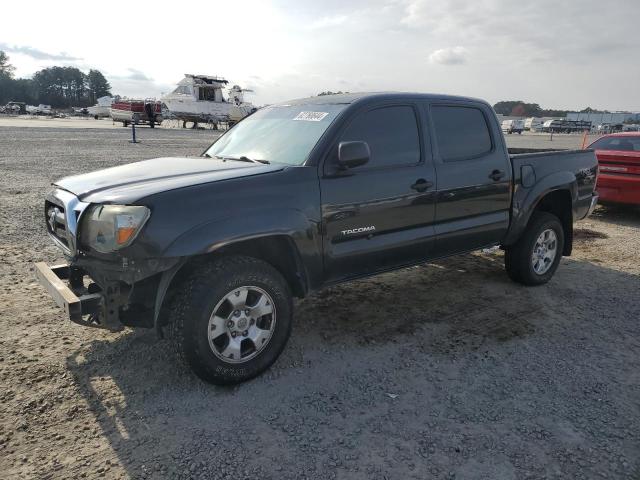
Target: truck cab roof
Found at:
349, 98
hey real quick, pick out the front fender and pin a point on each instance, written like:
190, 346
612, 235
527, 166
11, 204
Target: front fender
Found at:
210, 236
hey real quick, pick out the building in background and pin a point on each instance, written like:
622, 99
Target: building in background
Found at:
605, 118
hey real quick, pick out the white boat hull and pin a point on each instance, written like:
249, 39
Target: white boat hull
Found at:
99, 111
186, 108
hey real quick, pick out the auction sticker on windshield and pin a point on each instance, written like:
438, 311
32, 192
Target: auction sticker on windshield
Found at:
311, 116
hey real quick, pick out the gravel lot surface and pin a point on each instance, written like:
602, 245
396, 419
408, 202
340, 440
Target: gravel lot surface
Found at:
443, 371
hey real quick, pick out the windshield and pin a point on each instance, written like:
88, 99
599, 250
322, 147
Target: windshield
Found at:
622, 143
280, 133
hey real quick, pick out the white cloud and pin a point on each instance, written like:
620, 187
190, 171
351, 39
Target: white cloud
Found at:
300, 48
449, 56
36, 53
332, 21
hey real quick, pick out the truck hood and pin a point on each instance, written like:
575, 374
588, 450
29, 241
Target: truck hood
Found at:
129, 183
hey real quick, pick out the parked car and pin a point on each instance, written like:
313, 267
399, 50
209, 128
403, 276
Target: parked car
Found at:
15, 108
41, 109
609, 128
619, 162
296, 197
513, 126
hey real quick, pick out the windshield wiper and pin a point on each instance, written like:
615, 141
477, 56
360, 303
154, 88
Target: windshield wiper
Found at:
243, 158
253, 160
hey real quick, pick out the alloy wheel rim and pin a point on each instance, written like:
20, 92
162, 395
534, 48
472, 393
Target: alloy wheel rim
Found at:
544, 251
241, 324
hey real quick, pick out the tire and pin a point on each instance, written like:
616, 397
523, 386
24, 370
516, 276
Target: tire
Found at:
208, 290
519, 258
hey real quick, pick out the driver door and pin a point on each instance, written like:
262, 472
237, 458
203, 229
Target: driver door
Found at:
379, 215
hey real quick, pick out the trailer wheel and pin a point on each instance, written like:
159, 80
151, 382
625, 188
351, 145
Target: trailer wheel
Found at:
536, 255
231, 319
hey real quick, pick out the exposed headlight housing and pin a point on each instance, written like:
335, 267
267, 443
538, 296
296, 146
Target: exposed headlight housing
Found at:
106, 228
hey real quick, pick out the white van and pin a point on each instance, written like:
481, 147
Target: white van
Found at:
512, 126
533, 124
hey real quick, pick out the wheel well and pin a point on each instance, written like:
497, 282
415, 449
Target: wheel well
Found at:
278, 250
559, 203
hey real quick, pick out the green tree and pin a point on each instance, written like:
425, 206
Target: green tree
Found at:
329, 92
505, 107
62, 87
6, 69
517, 108
97, 85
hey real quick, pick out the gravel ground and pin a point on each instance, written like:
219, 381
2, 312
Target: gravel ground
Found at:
447, 370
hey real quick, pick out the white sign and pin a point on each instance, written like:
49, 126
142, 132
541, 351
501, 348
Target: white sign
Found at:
311, 116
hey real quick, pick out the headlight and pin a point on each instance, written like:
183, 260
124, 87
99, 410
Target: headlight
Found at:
106, 228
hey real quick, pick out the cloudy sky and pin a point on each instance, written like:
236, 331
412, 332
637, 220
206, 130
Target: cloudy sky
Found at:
562, 54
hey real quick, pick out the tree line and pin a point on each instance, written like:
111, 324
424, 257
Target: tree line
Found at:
518, 108
60, 87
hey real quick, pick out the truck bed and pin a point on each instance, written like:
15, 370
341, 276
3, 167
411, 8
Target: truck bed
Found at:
536, 171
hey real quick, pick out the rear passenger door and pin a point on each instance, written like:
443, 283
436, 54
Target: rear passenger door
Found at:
474, 177
379, 215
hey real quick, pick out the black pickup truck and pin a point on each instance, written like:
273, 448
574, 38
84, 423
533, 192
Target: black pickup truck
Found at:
298, 196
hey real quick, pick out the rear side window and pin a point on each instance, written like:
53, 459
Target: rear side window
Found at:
391, 132
462, 132
622, 143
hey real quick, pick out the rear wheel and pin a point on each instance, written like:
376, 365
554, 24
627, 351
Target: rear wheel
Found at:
231, 319
535, 257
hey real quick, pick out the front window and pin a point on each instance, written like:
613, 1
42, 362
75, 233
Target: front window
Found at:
279, 134
183, 89
391, 133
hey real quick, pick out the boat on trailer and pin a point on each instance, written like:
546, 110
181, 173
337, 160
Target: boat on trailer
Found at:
102, 108
200, 98
128, 111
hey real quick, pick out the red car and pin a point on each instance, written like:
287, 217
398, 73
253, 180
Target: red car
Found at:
619, 161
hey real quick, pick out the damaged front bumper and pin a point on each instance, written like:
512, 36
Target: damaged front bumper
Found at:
88, 306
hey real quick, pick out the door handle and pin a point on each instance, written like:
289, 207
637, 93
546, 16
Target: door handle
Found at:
422, 185
496, 175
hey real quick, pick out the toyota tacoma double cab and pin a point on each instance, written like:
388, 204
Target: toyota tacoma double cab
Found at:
211, 250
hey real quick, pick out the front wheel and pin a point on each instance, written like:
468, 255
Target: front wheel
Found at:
535, 257
231, 319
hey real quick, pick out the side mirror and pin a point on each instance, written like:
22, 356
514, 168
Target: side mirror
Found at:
353, 154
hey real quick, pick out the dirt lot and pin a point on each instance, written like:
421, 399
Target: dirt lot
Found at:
442, 371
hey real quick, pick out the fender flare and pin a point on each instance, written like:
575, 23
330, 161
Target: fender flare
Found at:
526, 201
